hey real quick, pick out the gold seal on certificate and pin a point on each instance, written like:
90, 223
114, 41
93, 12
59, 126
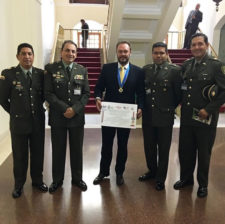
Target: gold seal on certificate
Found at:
120, 90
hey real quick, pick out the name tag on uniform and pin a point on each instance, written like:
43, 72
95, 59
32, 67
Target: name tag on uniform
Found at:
184, 86
148, 91
77, 91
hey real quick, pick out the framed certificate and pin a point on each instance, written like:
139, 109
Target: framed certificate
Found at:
118, 115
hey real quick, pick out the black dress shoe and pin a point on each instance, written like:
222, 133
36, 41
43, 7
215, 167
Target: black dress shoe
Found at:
159, 186
98, 179
181, 184
119, 180
146, 176
202, 192
17, 192
81, 184
54, 186
41, 187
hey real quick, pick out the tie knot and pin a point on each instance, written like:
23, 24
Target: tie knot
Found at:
28, 74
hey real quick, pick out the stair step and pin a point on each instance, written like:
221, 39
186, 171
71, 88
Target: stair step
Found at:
88, 50
90, 64
94, 69
88, 54
91, 109
85, 59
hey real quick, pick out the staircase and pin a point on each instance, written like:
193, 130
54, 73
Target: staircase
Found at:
178, 56
90, 58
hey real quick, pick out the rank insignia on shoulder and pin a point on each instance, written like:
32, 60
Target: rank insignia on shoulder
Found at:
17, 73
2, 77
223, 69
80, 77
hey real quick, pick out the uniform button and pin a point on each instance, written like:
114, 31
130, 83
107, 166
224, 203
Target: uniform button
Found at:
190, 87
69, 99
20, 94
189, 95
153, 98
57, 86
154, 83
190, 80
68, 91
204, 78
188, 103
17, 115
153, 91
68, 83
153, 105
30, 89
31, 96
32, 112
32, 104
164, 89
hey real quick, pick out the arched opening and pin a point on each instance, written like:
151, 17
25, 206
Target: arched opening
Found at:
94, 36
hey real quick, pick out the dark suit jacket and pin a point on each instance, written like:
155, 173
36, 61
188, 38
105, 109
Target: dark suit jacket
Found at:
61, 93
133, 90
24, 106
163, 94
211, 71
195, 22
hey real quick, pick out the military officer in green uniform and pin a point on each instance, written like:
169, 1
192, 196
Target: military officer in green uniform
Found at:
67, 92
22, 96
163, 94
203, 94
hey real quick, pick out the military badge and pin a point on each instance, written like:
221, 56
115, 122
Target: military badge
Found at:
79, 77
14, 83
223, 69
54, 75
2, 77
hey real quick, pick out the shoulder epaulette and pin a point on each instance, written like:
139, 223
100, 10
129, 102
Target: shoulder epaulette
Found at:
148, 66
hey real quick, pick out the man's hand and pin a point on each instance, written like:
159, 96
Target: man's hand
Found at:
139, 113
203, 114
98, 104
69, 112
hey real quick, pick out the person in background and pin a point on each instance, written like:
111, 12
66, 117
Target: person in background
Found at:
67, 92
163, 94
22, 96
191, 26
203, 94
84, 32
122, 83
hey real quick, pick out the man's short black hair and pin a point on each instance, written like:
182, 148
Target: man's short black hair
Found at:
82, 20
200, 35
160, 44
123, 42
24, 45
68, 42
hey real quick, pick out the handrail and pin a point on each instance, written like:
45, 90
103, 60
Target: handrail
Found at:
55, 43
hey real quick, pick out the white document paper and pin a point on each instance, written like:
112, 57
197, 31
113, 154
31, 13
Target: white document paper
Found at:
119, 115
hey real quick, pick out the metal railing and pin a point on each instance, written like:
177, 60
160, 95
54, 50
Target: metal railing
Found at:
95, 37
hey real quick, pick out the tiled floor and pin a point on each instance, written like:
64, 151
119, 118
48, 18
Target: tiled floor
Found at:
133, 203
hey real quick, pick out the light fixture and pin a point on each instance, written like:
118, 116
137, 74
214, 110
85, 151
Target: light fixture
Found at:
217, 4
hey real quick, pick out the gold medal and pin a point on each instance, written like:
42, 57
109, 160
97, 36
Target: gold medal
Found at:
120, 90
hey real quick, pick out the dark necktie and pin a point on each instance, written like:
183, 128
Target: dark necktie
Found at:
196, 67
157, 69
68, 72
29, 79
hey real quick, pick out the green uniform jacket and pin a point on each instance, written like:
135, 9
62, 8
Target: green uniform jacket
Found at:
210, 71
24, 104
163, 94
61, 93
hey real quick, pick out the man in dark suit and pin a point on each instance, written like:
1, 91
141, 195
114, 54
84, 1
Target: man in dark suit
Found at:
84, 32
191, 26
203, 94
67, 92
21, 95
120, 91
163, 94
